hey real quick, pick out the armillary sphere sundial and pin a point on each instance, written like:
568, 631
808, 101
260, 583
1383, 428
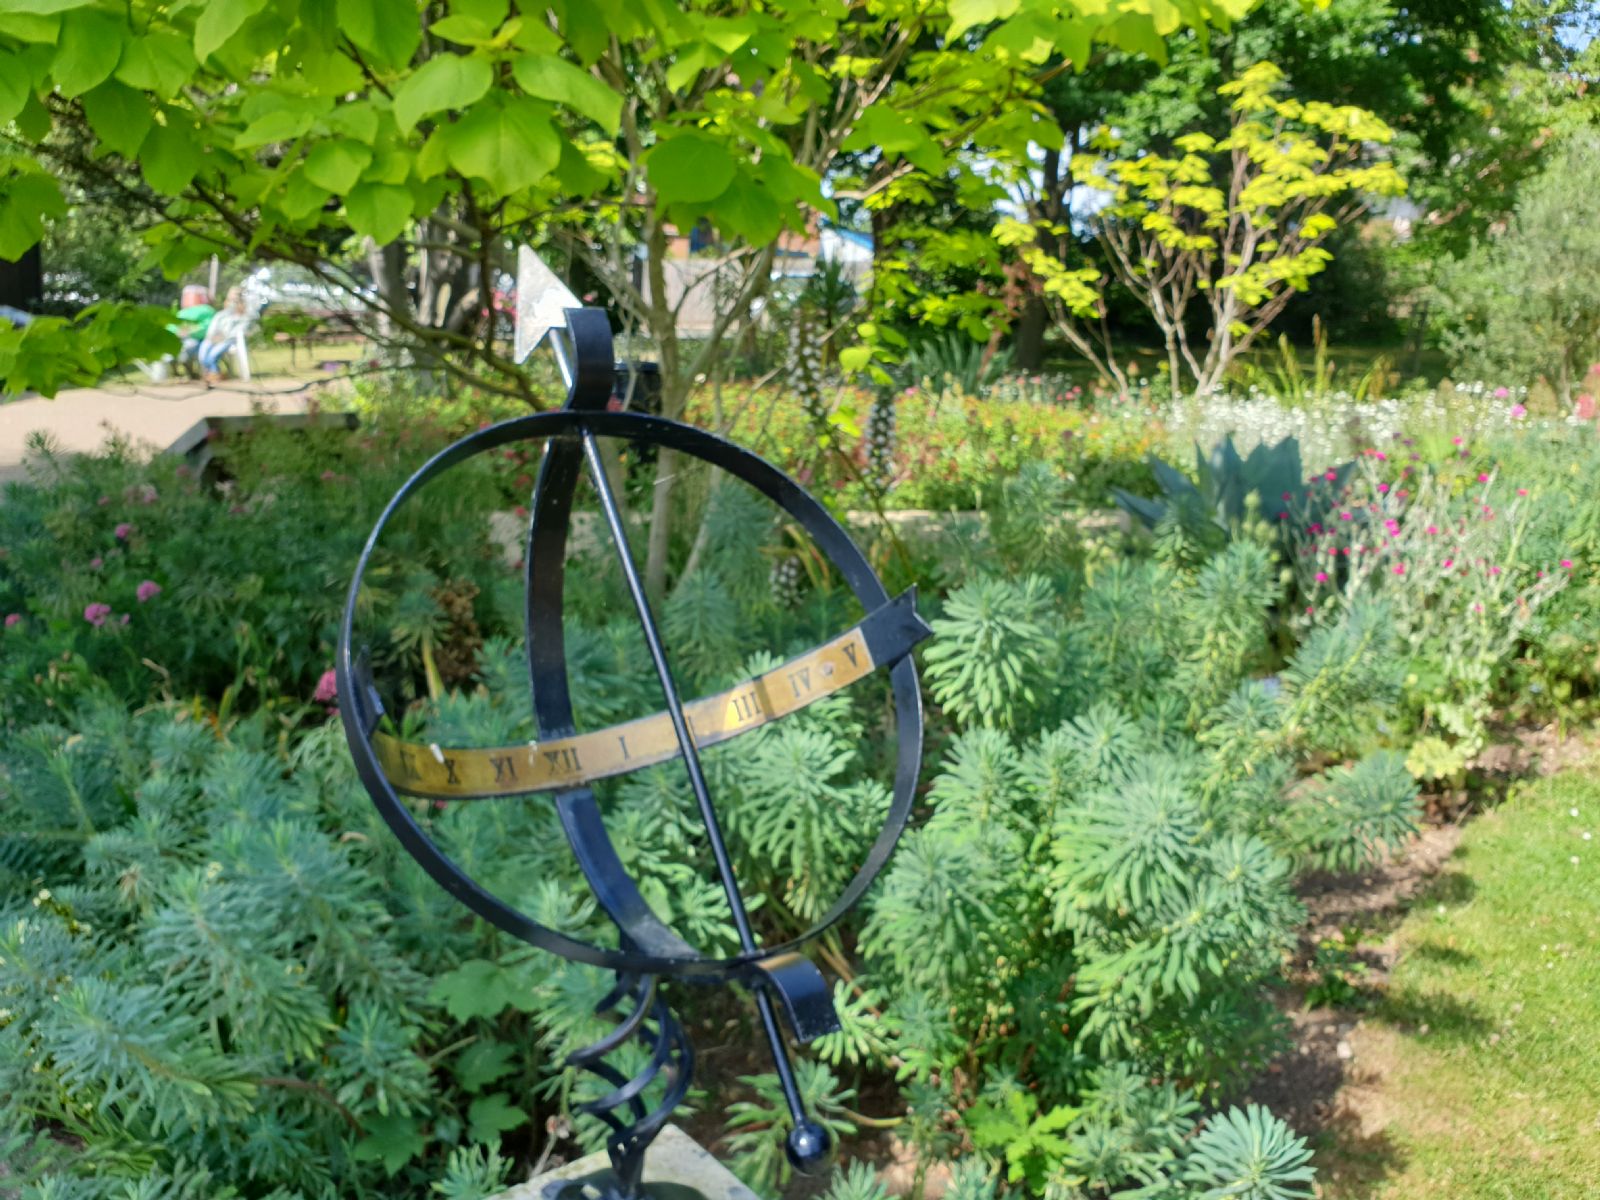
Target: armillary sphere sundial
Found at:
562, 762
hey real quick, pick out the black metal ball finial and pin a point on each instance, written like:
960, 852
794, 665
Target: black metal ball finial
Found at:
564, 762
809, 1147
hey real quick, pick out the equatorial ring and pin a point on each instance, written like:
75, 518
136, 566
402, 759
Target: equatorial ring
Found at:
887, 634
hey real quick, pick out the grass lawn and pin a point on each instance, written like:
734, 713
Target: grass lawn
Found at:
1478, 1075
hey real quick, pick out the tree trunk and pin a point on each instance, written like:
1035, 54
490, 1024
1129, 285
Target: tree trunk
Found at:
674, 399
1027, 346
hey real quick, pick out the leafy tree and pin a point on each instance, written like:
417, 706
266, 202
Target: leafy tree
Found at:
1235, 224
395, 148
1524, 302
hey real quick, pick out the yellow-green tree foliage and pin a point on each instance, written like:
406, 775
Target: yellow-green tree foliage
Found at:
1234, 225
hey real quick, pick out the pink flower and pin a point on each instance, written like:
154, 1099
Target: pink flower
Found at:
1322, 577
96, 613
96, 563
327, 688
1344, 516
1455, 441
1566, 563
1331, 476
122, 531
1522, 491
1494, 570
147, 589
1448, 563
1432, 529
1383, 487
103, 501
1501, 393
1482, 478
124, 619
13, 619
1518, 411
1399, 568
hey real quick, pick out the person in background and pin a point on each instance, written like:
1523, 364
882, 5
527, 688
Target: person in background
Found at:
194, 320
220, 335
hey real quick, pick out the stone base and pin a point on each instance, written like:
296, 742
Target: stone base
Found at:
674, 1166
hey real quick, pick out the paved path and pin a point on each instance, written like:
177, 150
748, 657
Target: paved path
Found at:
154, 415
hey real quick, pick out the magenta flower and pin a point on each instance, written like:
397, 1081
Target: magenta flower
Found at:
1322, 577
1448, 563
13, 619
1344, 516
96, 563
1331, 476
327, 688
1519, 411
1432, 529
1382, 488
1455, 441
1399, 568
147, 589
1522, 491
1501, 393
122, 531
1482, 478
96, 613
1494, 570
124, 618
1566, 563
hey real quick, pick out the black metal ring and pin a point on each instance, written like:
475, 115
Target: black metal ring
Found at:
359, 707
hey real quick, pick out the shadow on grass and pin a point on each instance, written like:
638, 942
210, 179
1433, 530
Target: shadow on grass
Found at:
1449, 887
1435, 1016
1351, 1164
1444, 956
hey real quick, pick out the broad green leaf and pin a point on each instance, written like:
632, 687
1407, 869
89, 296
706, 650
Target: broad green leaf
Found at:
14, 88
31, 28
91, 44
964, 14
119, 116
380, 211
484, 1062
47, 6
358, 120
392, 1140
463, 30
34, 120
490, 1116
689, 168
389, 166
509, 143
279, 125
388, 29
478, 988
853, 358
551, 78
219, 21
170, 159
157, 62
300, 197
749, 212
337, 164
25, 200
447, 83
